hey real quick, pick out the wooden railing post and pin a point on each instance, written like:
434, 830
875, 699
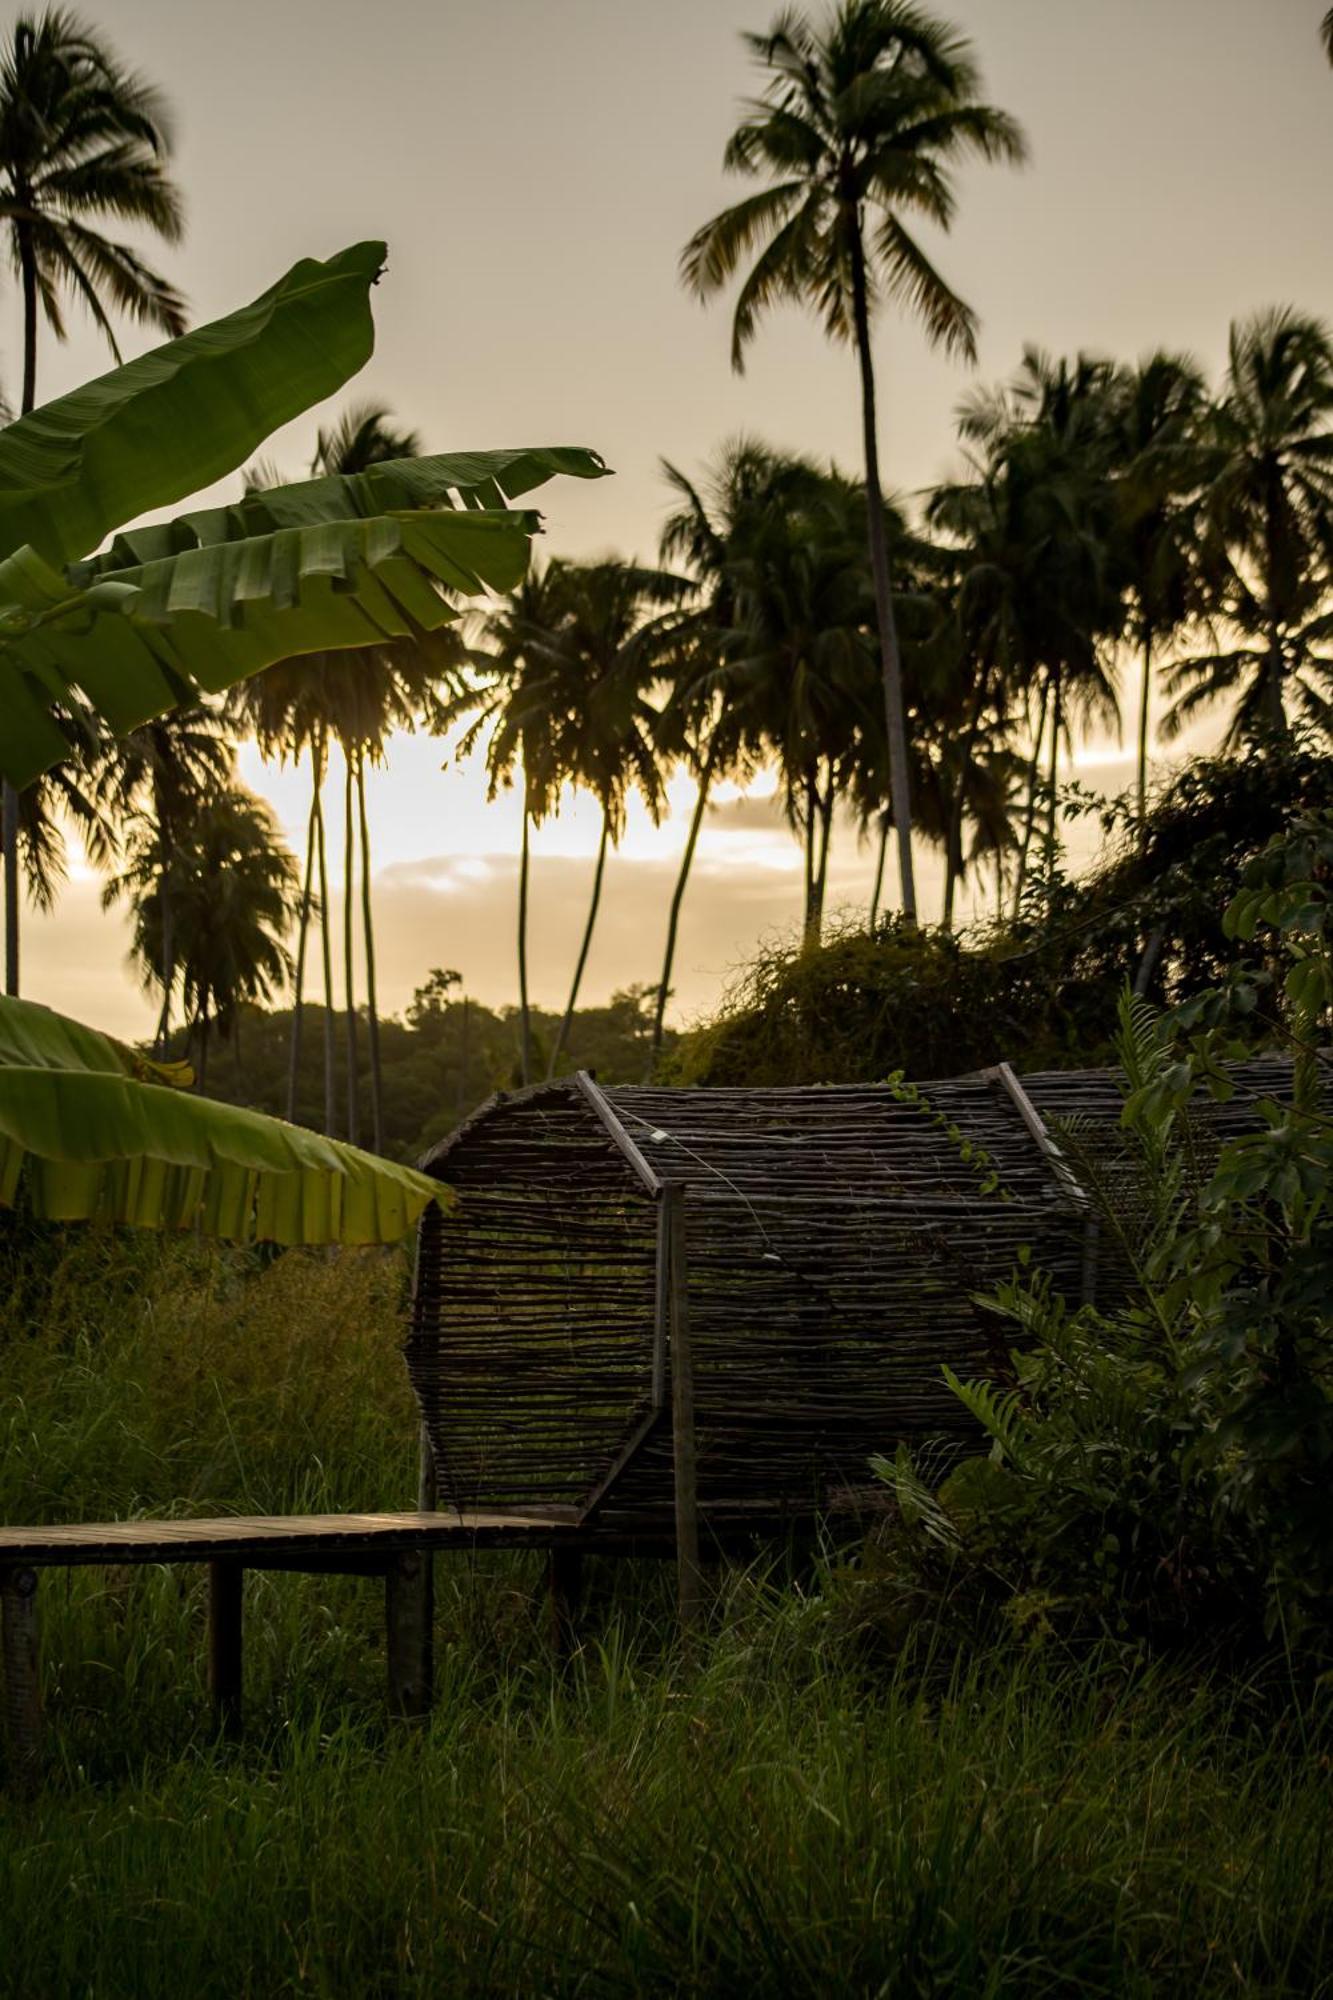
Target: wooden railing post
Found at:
689, 1581
22, 1647
226, 1632
408, 1636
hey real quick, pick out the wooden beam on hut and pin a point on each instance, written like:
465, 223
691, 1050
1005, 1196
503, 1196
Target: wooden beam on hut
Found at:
1068, 1180
689, 1579
597, 1100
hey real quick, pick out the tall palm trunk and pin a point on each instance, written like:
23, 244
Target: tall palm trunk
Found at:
326, 943
673, 919
168, 976
9, 798
298, 977
598, 872
810, 816
890, 655
525, 1009
1054, 778
1145, 697
1030, 812
1277, 713
368, 930
349, 990
885, 822
824, 811
953, 864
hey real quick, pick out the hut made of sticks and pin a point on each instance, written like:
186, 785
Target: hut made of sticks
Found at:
792, 1269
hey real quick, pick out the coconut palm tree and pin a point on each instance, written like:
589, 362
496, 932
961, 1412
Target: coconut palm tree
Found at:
508, 701
862, 119
63, 795
81, 139
700, 722
1157, 414
357, 699
609, 649
1267, 534
160, 773
234, 895
800, 663
1033, 524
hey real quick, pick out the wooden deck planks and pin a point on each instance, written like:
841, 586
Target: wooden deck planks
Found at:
257, 1538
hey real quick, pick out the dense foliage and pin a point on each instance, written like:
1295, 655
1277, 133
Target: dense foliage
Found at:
1160, 1458
1041, 990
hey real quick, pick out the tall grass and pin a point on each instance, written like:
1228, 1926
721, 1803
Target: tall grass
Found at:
775, 1815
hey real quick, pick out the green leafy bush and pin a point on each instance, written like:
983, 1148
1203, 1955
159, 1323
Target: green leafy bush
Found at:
1040, 992
1161, 1464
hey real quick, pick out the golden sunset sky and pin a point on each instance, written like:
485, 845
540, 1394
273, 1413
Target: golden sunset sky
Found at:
535, 166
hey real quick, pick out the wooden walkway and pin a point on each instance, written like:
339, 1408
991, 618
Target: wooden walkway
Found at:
397, 1547
276, 1540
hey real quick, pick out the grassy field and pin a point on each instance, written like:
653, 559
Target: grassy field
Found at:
790, 1812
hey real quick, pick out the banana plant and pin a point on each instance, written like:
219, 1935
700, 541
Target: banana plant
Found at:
121, 623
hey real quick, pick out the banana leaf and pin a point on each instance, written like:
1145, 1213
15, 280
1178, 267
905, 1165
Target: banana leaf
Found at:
160, 428
478, 479
94, 1132
142, 640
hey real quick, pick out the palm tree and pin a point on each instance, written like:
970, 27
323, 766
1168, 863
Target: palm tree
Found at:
63, 794
1267, 533
1039, 598
860, 124
606, 653
801, 679
281, 708
700, 722
509, 697
81, 138
1157, 415
160, 774
356, 698
234, 894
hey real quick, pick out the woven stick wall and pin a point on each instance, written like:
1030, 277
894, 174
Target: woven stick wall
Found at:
836, 1239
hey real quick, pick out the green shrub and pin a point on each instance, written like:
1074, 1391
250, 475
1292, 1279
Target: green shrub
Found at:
1041, 992
1162, 1465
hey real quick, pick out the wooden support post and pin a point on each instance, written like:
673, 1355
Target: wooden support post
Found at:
22, 1647
407, 1625
564, 1583
688, 1573
226, 1579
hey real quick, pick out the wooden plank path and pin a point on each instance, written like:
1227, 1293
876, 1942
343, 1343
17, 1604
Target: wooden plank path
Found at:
260, 1540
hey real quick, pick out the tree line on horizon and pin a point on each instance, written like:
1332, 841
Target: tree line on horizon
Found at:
928, 669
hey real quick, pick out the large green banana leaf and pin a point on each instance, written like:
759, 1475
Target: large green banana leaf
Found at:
94, 1132
200, 603
489, 479
139, 641
162, 427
